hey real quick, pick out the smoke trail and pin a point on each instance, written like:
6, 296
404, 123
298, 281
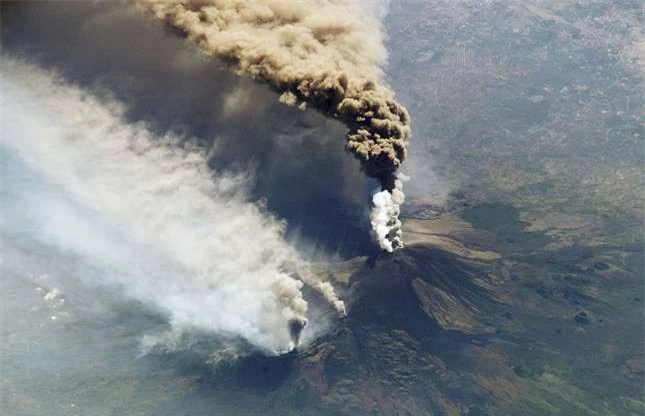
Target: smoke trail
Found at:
148, 211
304, 273
328, 56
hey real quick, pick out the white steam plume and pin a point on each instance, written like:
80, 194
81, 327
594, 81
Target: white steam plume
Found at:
386, 225
148, 212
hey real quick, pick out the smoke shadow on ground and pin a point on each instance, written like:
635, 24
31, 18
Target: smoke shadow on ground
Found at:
256, 373
387, 294
296, 159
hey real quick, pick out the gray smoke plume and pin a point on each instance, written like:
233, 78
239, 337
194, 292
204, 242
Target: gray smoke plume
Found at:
327, 55
147, 212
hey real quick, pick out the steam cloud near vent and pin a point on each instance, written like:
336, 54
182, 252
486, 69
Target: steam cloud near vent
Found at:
385, 216
324, 54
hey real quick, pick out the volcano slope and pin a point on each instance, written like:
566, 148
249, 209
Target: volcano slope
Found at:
443, 327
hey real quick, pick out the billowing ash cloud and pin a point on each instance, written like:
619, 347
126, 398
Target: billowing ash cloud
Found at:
296, 157
146, 211
326, 54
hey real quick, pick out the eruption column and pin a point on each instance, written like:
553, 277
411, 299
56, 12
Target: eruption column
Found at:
323, 54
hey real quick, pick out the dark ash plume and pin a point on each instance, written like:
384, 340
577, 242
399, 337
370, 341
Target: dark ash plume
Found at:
328, 56
296, 326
